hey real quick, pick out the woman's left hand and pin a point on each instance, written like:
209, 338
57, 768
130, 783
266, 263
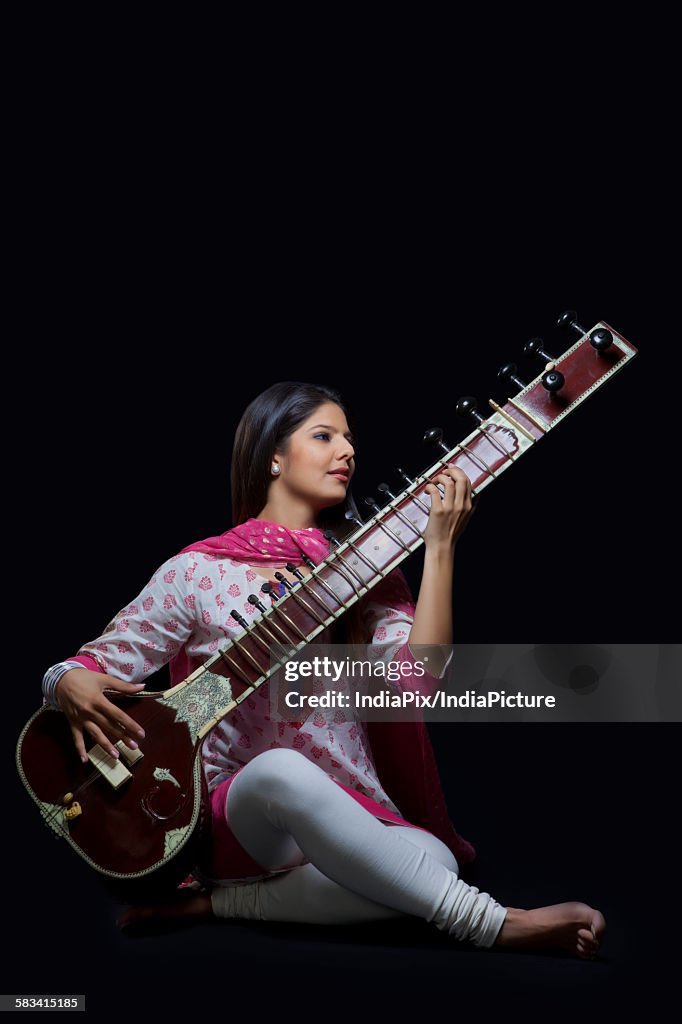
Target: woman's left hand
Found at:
451, 512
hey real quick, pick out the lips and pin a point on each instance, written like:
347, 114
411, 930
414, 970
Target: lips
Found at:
340, 473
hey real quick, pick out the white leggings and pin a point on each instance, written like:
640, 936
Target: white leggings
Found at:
285, 810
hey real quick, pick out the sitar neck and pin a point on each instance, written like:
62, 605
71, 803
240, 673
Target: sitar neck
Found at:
370, 553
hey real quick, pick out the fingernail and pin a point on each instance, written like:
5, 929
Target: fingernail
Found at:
84, 758
133, 744
141, 733
114, 753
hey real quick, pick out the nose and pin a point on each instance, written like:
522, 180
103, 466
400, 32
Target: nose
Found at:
346, 451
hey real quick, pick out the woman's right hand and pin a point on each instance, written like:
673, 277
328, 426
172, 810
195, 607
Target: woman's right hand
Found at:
80, 696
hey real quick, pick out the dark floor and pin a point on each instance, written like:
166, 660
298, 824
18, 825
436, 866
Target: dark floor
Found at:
541, 839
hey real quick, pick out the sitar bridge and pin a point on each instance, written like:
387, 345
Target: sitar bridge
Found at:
112, 768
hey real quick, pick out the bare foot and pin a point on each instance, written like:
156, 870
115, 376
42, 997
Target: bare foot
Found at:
574, 927
188, 908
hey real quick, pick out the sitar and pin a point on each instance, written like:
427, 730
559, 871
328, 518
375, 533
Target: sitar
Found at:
142, 820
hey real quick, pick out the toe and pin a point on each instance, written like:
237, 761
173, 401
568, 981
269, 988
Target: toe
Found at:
587, 937
597, 925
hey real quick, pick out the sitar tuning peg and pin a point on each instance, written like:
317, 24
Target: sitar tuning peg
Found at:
371, 503
328, 535
403, 476
552, 380
281, 578
384, 489
569, 319
600, 339
352, 517
467, 407
434, 436
507, 374
534, 348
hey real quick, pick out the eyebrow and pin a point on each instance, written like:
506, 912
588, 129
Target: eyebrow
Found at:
327, 427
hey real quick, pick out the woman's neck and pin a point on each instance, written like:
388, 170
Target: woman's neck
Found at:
289, 514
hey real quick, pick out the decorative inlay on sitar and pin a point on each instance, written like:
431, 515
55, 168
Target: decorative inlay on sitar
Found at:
145, 814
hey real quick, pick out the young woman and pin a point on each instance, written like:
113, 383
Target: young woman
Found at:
304, 823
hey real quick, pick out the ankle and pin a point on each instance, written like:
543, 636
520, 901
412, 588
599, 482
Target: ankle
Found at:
237, 901
515, 922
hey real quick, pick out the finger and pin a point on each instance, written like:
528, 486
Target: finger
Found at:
114, 727
77, 734
122, 733
450, 490
446, 487
456, 477
461, 479
461, 494
459, 475
117, 732
99, 737
434, 493
115, 719
128, 727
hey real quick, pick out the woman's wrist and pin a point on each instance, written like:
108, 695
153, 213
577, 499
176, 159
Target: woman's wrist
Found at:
432, 621
52, 678
439, 556
438, 561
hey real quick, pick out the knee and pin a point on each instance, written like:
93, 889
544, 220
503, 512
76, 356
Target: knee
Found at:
434, 846
278, 773
440, 852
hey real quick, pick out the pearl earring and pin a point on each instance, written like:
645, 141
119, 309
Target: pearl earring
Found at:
275, 468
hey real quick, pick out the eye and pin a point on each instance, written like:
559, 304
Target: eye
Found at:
325, 434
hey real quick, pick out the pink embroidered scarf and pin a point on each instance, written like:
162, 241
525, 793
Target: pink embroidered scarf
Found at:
260, 542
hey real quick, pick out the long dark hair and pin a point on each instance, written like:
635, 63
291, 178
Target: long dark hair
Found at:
265, 428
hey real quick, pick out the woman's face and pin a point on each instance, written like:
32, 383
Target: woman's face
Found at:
319, 462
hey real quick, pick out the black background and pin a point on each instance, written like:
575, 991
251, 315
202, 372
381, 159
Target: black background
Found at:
162, 297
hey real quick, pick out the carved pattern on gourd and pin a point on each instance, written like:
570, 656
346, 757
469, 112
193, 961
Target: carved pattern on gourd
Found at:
173, 838
201, 701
